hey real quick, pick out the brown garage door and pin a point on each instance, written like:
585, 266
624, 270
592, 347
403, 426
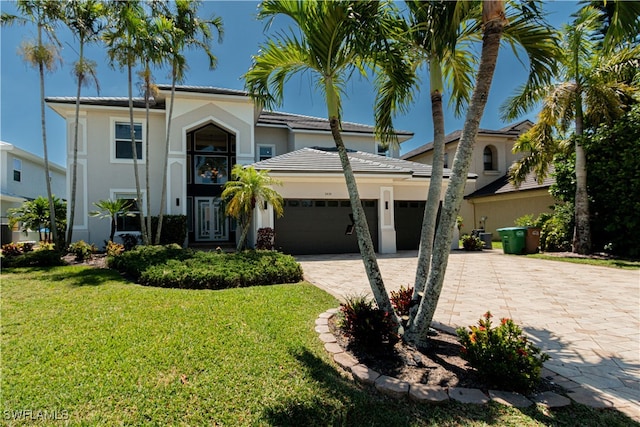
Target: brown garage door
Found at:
319, 226
408, 223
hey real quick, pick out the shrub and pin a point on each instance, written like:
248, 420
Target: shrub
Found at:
114, 249
502, 355
174, 229
401, 300
525, 221
129, 241
82, 250
10, 250
266, 237
557, 231
46, 246
174, 267
366, 325
27, 246
39, 258
472, 243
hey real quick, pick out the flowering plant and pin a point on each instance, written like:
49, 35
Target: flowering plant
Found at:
502, 355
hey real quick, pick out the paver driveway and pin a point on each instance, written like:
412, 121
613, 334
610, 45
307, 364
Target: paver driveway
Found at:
587, 318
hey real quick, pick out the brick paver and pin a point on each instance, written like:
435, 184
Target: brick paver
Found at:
587, 318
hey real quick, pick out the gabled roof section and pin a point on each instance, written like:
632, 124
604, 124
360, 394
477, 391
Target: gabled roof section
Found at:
511, 130
326, 160
105, 101
212, 90
301, 122
502, 185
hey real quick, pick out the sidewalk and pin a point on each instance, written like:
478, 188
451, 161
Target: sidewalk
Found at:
586, 318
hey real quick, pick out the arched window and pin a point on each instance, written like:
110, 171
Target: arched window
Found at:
489, 158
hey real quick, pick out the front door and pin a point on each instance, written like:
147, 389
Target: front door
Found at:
211, 223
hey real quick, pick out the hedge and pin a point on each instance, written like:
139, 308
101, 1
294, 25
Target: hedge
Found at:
173, 267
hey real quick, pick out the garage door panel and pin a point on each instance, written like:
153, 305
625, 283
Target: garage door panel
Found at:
318, 226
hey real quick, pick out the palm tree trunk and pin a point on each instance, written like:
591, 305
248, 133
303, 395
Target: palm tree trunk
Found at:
147, 82
52, 209
365, 242
582, 230
435, 183
143, 228
163, 193
74, 167
494, 21
242, 243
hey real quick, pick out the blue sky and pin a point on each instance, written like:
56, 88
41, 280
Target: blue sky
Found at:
19, 90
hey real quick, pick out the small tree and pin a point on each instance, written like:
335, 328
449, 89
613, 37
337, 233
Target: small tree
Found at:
111, 209
249, 188
35, 214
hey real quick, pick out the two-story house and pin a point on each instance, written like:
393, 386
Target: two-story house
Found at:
211, 130
23, 179
491, 201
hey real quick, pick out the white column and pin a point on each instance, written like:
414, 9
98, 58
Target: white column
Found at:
386, 222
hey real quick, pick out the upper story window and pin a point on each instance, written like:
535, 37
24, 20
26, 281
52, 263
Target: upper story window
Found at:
266, 152
446, 160
489, 158
211, 139
17, 170
123, 147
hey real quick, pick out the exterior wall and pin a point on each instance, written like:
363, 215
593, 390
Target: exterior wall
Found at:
364, 143
31, 185
100, 178
502, 210
278, 137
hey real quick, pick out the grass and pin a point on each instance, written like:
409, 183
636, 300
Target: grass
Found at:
87, 344
611, 263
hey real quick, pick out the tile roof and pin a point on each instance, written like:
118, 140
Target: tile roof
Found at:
326, 160
107, 101
509, 130
502, 185
205, 89
298, 121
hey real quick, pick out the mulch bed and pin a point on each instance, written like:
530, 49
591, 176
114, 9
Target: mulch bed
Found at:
438, 365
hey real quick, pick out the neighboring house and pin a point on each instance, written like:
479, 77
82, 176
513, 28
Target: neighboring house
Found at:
23, 178
213, 129
492, 202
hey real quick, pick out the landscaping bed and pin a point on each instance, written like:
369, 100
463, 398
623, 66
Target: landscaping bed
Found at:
438, 365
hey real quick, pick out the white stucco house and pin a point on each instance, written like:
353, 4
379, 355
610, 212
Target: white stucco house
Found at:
212, 129
23, 178
491, 201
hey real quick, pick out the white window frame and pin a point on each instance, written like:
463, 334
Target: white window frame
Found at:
273, 151
128, 193
17, 167
112, 139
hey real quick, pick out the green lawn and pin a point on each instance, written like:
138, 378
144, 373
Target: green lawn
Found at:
88, 344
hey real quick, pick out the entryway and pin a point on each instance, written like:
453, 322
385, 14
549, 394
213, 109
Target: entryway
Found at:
212, 225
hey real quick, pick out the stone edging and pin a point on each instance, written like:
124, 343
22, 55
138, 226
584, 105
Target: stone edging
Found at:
396, 388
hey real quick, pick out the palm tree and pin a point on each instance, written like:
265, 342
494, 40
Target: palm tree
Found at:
185, 30
43, 56
248, 189
85, 20
493, 20
110, 209
440, 34
153, 51
590, 90
437, 33
124, 47
333, 40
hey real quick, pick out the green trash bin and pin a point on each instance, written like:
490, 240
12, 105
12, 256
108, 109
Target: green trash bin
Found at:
513, 239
